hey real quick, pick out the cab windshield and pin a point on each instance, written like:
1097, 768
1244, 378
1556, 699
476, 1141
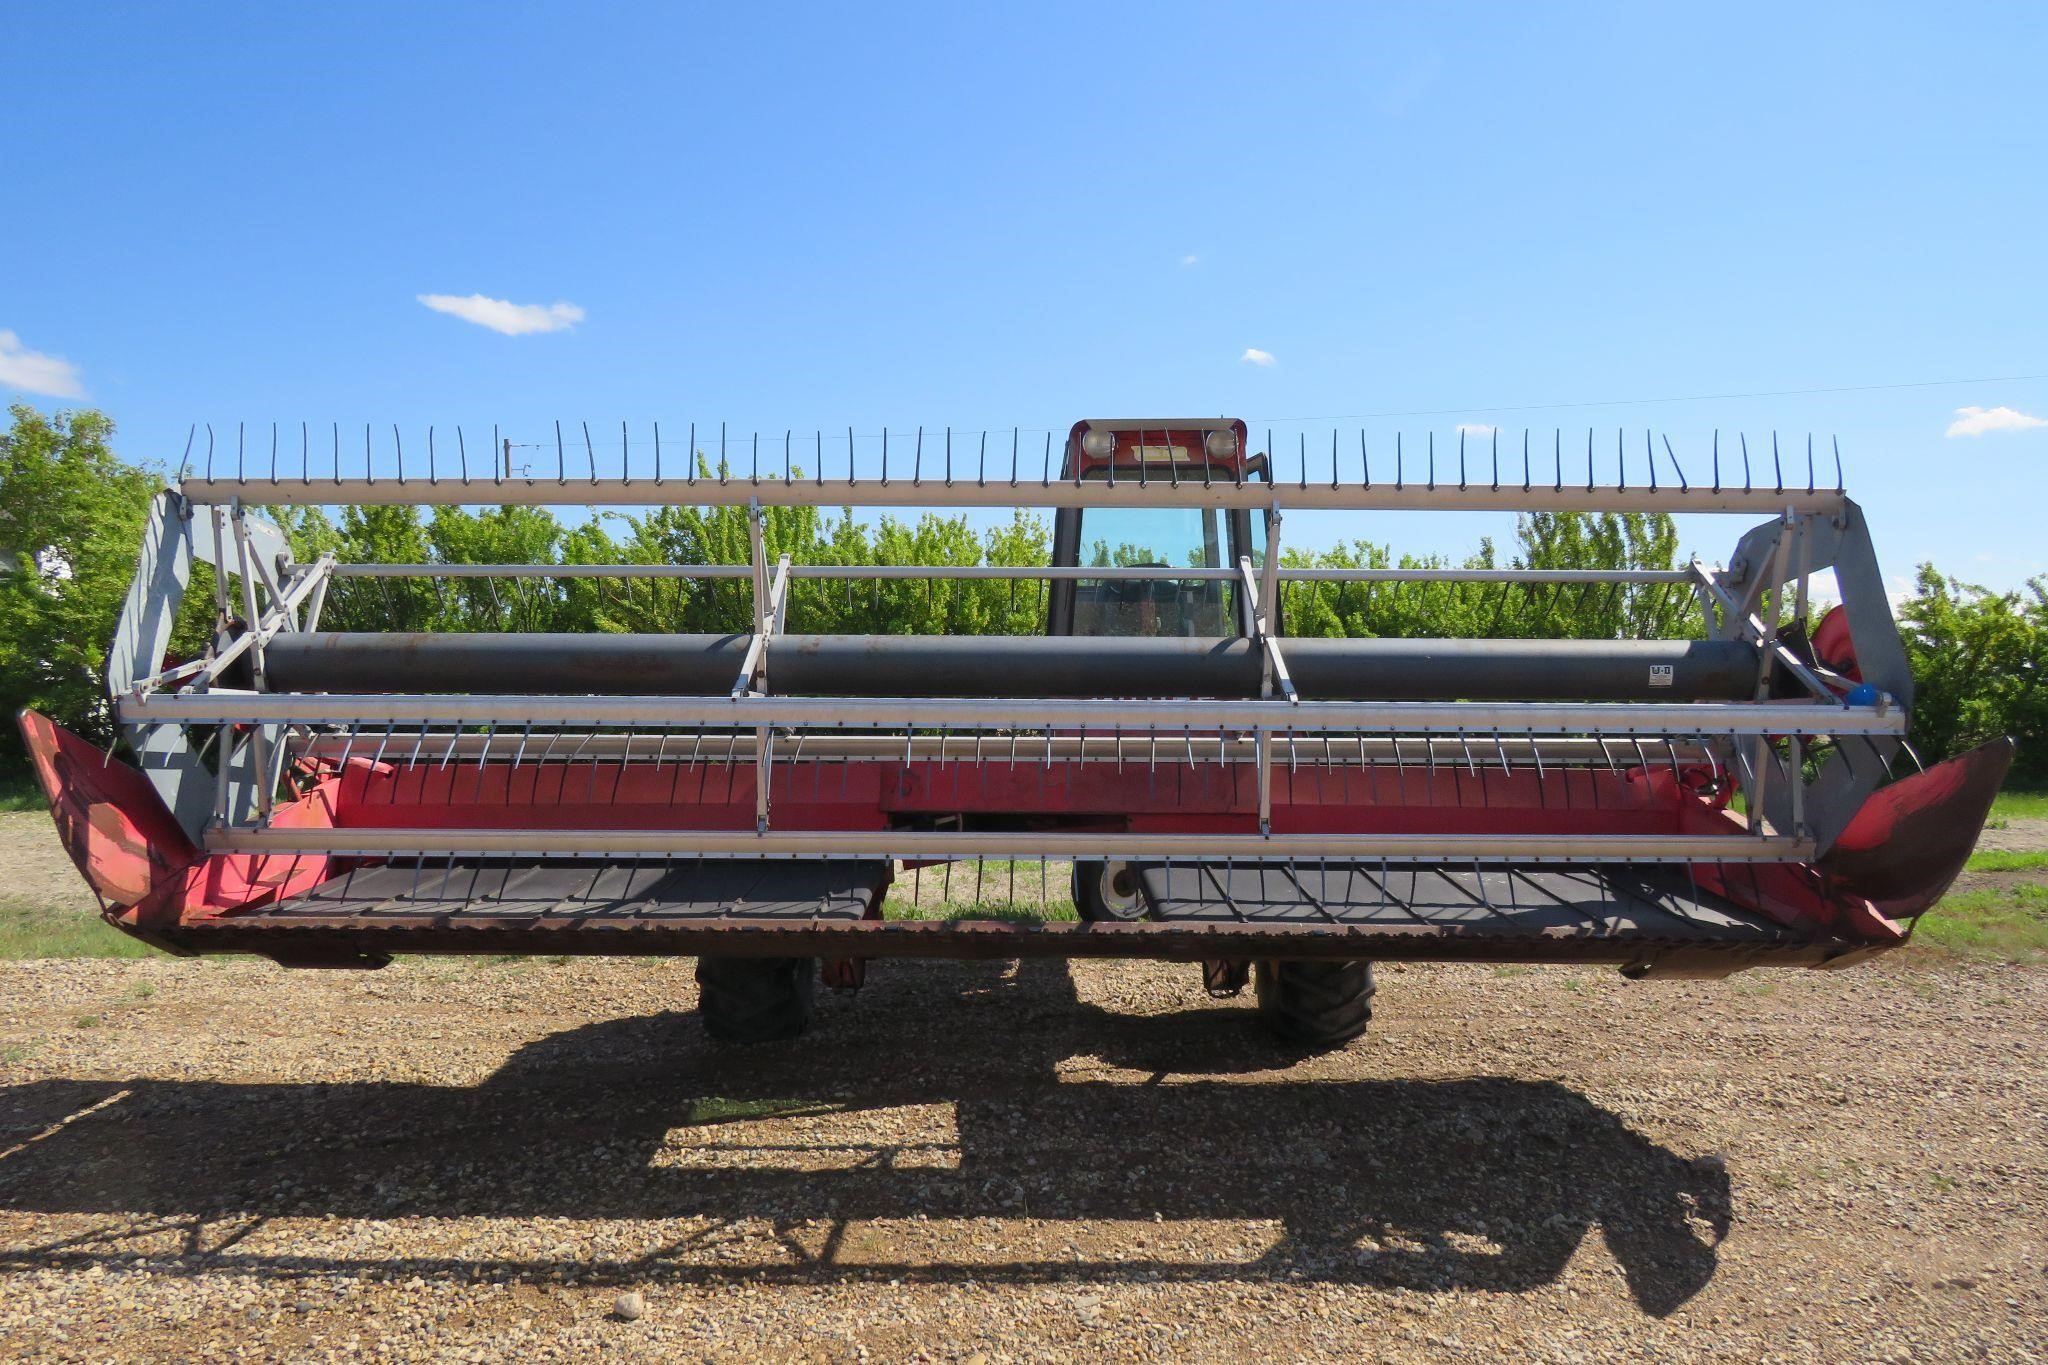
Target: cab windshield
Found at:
1153, 537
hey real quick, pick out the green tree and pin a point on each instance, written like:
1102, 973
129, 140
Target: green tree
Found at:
1603, 540
71, 517
1980, 668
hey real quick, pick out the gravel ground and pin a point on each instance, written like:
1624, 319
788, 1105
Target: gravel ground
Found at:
986, 1162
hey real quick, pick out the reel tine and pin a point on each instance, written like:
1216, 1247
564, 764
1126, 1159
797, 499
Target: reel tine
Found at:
1777, 465
273, 450
377, 760
1364, 459
1745, 461
1839, 488
241, 473
1809, 461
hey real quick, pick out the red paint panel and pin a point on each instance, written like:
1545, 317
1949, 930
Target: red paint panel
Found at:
108, 816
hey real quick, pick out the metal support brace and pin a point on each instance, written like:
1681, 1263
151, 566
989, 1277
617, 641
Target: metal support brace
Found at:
309, 587
1752, 626
764, 736
758, 553
1272, 663
1774, 585
259, 737
324, 571
771, 606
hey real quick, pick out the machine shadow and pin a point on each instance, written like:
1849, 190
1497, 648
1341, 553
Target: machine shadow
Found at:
1480, 1183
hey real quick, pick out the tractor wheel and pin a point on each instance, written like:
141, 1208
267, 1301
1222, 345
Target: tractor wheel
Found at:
1107, 892
755, 999
1319, 1004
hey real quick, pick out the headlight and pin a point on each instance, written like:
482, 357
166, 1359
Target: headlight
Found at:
1098, 445
1221, 444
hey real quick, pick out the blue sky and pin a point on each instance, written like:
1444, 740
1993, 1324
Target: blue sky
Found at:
814, 217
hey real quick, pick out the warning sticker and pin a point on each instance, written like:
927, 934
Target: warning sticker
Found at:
1660, 675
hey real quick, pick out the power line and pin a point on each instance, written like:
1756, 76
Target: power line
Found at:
1646, 402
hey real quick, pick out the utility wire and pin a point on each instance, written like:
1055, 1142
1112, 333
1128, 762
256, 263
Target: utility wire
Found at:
1645, 402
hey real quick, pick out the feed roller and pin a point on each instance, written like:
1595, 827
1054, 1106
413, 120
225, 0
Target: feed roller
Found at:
1007, 666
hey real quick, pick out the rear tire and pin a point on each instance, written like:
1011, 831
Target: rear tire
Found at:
1108, 893
755, 999
1319, 1004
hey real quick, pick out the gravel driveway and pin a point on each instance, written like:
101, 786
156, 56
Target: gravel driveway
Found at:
987, 1162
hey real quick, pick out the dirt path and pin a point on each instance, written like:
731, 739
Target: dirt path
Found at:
2015, 836
34, 870
976, 1161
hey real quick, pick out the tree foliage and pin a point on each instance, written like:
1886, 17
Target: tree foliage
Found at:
71, 517
1980, 667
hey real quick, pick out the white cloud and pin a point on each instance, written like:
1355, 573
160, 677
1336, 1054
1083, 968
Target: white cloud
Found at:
1254, 356
21, 368
1191, 259
1977, 421
1476, 429
513, 319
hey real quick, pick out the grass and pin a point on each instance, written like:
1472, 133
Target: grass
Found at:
18, 791
1994, 923
2000, 861
2003, 923
893, 909
2020, 803
934, 893
28, 931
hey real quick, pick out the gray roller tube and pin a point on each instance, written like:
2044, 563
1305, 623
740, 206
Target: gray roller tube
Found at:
1015, 666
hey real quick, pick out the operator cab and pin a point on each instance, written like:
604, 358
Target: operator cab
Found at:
1162, 451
